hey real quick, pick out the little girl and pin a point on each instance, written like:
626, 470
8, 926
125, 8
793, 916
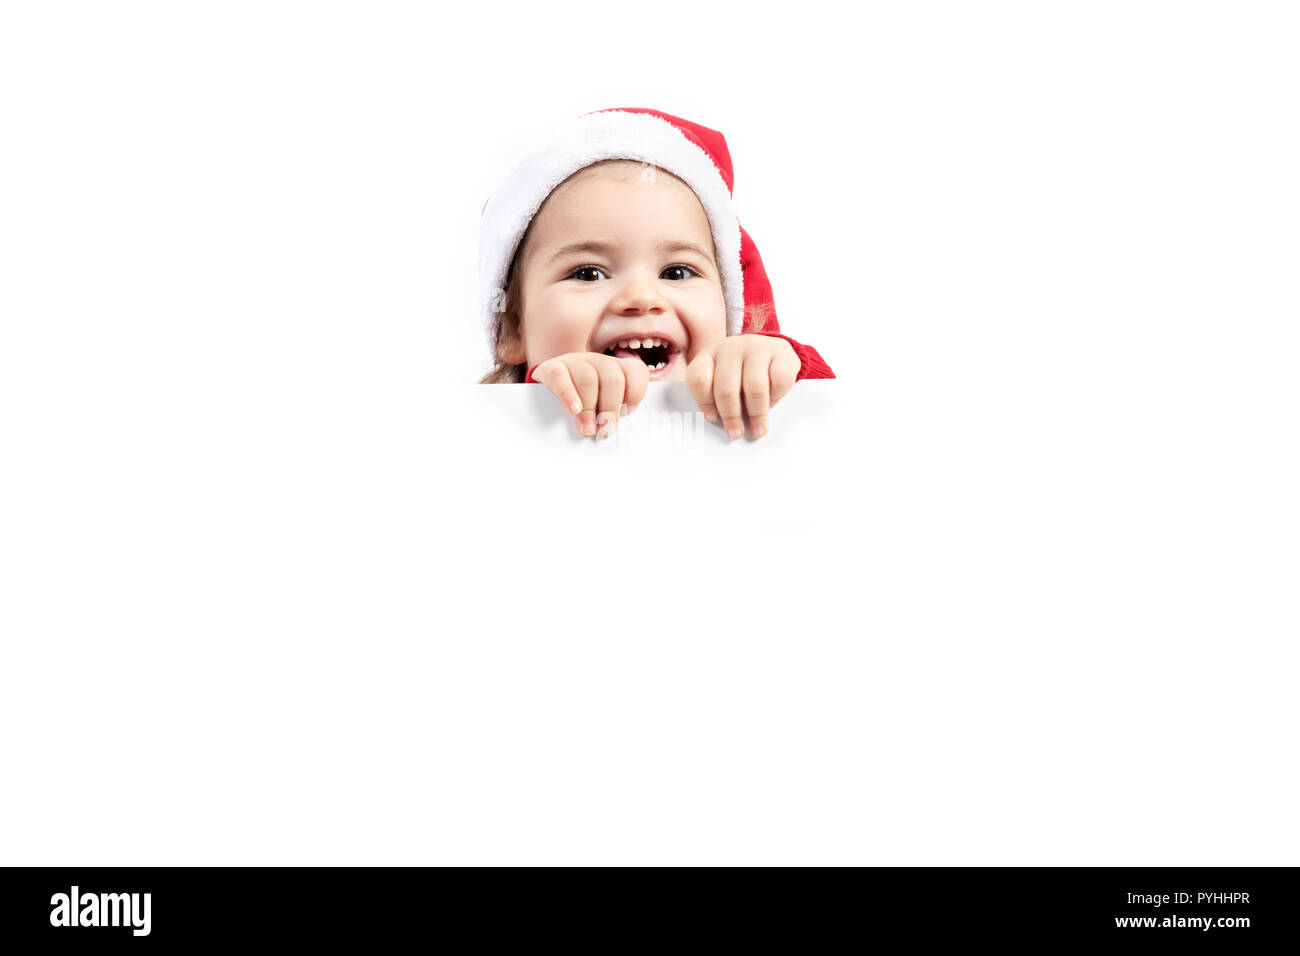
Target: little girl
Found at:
612, 257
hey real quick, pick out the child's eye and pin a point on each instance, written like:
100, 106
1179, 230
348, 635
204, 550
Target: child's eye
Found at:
692, 271
574, 274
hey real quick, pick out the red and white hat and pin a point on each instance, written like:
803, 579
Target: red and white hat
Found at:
695, 154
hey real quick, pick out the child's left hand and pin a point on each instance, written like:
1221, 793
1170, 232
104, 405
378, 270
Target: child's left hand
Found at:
749, 372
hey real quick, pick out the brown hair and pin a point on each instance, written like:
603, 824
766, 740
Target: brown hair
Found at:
505, 324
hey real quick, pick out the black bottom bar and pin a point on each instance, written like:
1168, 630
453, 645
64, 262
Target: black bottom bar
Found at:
1223, 908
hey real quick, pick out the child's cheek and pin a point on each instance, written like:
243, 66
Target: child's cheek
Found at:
555, 325
706, 333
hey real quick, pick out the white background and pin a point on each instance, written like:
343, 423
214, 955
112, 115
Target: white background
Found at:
275, 587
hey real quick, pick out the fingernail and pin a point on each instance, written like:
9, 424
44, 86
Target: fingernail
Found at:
759, 431
605, 420
733, 431
575, 407
622, 409
711, 416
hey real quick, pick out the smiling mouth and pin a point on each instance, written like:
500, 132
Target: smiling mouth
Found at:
656, 353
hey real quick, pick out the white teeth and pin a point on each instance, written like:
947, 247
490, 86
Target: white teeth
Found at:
641, 344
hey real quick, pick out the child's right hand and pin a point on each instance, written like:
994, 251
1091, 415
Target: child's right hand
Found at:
595, 387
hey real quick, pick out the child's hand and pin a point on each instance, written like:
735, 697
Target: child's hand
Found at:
596, 387
759, 369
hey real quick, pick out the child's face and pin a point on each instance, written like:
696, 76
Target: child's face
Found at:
591, 299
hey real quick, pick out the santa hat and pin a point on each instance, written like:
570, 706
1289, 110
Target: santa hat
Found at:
695, 154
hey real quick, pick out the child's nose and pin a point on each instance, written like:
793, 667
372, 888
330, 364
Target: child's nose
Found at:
638, 295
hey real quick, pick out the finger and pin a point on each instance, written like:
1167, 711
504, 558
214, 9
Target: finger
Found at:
587, 382
613, 375
699, 379
555, 376
637, 380
783, 375
755, 386
727, 365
